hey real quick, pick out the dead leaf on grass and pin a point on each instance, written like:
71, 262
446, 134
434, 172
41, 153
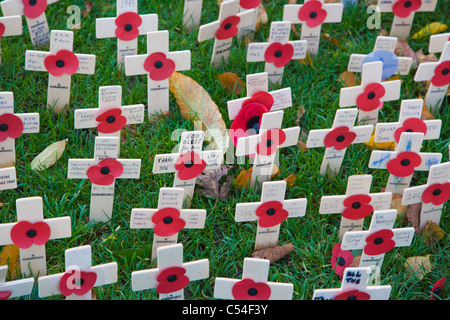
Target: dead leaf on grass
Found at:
275, 253
231, 82
418, 267
212, 185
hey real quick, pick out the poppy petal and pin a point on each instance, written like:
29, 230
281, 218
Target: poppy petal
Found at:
172, 279
441, 74
2, 29
410, 125
77, 282
34, 9
312, 13
127, 26
379, 242
11, 126
357, 207
270, 141
271, 213
228, 28
247, 289
352, 295
189, 166
111, 121
249, 4
167, 222
404, 165
437, 193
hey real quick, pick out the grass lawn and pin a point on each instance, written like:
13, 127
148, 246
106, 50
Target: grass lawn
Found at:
223, 241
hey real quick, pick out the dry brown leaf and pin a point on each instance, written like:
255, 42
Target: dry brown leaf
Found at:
396, 203
275, 253
348, 79
290, 179
404, 50
306, 60
421, 57
302, 146
413, 215
432, 232
261, 17
49, 156
11, 256
333, 40
426, 113
231, 82
244, 177
300, 113
212, 185
88, 7
418, 266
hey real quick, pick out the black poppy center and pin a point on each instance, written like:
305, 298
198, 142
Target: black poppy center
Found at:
32, 2
313, 15
278, 53
227, 26
79, 282
352, 297
189, 164
3, 127
253, 123
437, 290
105, 170
409, 130
356, 205
111, 119
378, 241
252, 292
269, 143
128, 27
408, 4
60, 63
340, 138
31, 233
405, 162
168, 220
172, 278
341, 261
158, 64
446, 71
371, 95
437, 192
271, 212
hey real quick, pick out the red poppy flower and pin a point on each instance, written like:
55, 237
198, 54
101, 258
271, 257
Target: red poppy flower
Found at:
167, 222
379, 242
357, 207
370, 99
437, 193
279, 54
4, 295
77, 282
127, 26
340, 259
228, 28
34, 8
339, 138
270, 141
403, 8
441, 74
158, 66
24, 234
11, 126
312, 13
63, 62
352, 295
111, 121
249, 4
404, 164
271, 213
105, 172
2, 29
411, 125
172, 279
189, 166
247, 289
437, 288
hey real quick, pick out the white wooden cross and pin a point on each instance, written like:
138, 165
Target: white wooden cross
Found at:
250, 29
337, 139
254, 284
168, 219
10, 26
439, 75
402, 162
370, 95
270, 212
265, 145
103, 171
356, 204
404, 12
127, 26
311, 15
224, 29
60, 63
79, 278
432, 195
12, 126
355, 286
188, 163
34, 12
172, 275
438, 41
278, 51
13, 289
379, 239
192, 13
8, 179
31, 232
158, 64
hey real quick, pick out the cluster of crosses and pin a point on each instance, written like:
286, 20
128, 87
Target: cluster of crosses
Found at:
260, 137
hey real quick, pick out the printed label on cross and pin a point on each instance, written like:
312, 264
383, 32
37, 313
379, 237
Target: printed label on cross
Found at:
402, 162
103, 171
168, 219
10, 26
355, 286
336, 140
379, 239
12, 289
172, 275
8, 179
371, 94
249, 30
270, 212
80, 277
34, 12
254, 284
158, 65
60, 63
31, 232
192, 12
12, 126
356, 204
127, 26
438, 73
433, 195
311, 15
188, 163
224, 29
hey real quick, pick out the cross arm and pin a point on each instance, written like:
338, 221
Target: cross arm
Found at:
60, 227
197, 270
30, 122
164, 163
106, 27
425, 71
34, 60
134, 65
295, 207
13, 25
106, 273
182, 59
335, 204
413, 195
85, 118
246, 212
208, 31
131, 168
278, 291
86, 63
49, 285
256, 51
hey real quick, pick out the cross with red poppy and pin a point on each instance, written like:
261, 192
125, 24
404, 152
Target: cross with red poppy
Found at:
270, 212
311, 15
8, 178
127, 26
336, 140
172, 275
80, 276
12, 289
371, 94
356, 204
31, 232
60, 63
34, 12
438, 73
278, 51
355, 286
404, 161
245, 5
10, 26
254, 284
433, 195
224, 29
168, 219
103, 171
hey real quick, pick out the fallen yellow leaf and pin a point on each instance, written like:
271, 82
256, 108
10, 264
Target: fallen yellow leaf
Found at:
244, 177
379, 145
418, 266
49, 156
11, 256
432, 28
231, 82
